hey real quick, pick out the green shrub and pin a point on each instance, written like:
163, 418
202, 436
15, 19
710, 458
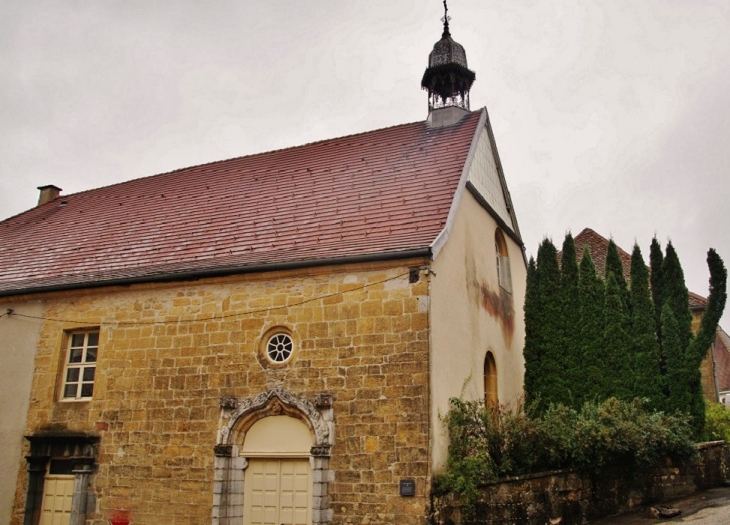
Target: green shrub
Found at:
624, 432
717, 421
470, 461
487, 443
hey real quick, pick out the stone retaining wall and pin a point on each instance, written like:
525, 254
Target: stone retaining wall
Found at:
538, 499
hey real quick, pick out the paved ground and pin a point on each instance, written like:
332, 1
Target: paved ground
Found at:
711, 507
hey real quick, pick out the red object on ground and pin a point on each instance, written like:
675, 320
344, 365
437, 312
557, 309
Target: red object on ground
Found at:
120, 517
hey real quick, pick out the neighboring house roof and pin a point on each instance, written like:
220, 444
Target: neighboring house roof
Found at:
598, 247
384, 193
697, 302
722, 360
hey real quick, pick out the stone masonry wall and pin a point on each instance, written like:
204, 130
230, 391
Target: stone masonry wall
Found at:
168, 353
707, 367
540, 498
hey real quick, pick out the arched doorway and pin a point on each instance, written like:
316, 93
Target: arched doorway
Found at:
491, 397
272, 460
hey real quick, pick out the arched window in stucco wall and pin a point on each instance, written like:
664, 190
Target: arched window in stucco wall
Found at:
490, 380
504, 274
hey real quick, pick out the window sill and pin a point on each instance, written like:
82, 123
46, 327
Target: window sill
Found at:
81, 400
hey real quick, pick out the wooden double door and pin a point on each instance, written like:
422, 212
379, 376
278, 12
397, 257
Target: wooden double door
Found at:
277, 492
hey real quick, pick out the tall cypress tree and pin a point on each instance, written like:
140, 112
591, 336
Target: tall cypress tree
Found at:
532, 351
679, 397
705, 337
606, 350
676, 294
647, 374
615, 265
715, 306
551, 382
616, 354
591, 295
570, 304
696, 397
656, 261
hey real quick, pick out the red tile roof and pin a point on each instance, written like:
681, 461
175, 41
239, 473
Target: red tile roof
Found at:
377, 193
697, 302
598, 247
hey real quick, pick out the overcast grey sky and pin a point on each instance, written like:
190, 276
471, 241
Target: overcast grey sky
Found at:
609, 114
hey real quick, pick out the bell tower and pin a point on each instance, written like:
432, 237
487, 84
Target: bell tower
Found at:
447, 79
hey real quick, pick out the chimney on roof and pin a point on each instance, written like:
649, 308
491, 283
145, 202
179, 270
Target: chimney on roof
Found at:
48, 193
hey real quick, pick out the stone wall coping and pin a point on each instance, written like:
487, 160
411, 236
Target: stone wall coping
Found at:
523, 477
512, 479
709, 444
569, 494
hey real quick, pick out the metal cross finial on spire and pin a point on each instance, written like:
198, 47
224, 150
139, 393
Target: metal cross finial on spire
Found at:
445, 20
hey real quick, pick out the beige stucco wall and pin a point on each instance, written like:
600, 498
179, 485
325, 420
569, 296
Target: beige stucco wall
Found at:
156, 397
470, 315
19, 336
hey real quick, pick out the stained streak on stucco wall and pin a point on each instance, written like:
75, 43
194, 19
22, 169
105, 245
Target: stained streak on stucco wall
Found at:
500, 305
469, 317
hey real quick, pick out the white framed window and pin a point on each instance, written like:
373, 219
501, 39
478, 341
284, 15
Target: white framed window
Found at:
80, 369
504, 273
499, 263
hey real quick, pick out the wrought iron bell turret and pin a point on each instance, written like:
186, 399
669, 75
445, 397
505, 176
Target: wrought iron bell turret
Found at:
447, 79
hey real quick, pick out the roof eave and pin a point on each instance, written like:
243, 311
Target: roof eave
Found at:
223, 271
507, 196
503, 225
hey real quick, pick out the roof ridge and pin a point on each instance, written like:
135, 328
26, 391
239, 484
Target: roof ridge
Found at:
701, 301
588, 231
698, 296
229, 159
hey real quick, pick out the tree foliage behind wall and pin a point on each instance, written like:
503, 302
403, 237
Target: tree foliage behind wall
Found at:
588, 338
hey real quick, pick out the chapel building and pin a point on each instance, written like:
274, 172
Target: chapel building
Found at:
265, 339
